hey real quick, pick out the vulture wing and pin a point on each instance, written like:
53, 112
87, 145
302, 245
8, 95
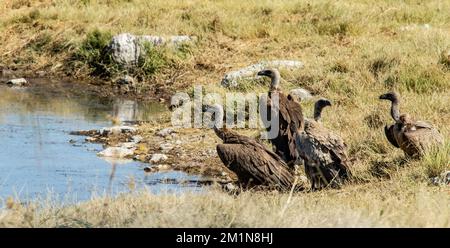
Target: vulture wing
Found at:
389, 131
290, 118
254, 166
329, 148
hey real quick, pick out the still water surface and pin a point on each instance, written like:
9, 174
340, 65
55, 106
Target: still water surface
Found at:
38, 157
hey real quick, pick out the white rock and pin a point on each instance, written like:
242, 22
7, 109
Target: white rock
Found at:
136, 139
90, 139
158, 157
165, 147
17, 82
301, 94
231, 79
116, 152
230, 187
128, 145
126, 48
163, 167
152, 39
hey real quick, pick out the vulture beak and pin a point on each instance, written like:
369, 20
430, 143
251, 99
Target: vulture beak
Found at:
328, 103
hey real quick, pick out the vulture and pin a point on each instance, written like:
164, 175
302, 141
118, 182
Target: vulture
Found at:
253, 163
290, 118
324, 153
413, 137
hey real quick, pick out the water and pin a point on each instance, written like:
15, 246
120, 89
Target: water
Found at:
38, 157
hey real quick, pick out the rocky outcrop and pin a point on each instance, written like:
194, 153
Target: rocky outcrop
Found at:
232, 79
126, 49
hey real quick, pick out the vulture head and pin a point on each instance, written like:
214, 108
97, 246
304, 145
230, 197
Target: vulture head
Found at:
274, 75
216, 111
318, 106
391, 96
394, 97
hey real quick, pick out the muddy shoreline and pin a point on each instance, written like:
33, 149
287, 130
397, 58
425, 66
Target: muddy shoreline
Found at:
163, 149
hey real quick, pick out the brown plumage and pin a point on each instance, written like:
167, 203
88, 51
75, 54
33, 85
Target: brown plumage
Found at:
253, 163
290, 118
324, 152
413, 137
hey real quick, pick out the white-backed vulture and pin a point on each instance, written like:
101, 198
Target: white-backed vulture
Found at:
290, 118
413, 137
252, 162
324, 152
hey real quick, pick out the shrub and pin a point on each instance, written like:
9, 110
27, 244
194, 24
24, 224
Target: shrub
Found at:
153, 60
92, 52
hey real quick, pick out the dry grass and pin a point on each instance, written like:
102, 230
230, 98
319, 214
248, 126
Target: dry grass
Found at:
384, 204
353, 51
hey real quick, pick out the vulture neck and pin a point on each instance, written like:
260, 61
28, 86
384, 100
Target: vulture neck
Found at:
395, 112
275, 83
317, 111
218, 122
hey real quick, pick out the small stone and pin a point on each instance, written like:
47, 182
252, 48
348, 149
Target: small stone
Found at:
230, 187
158, 157
149, 169
163, 167
128, 145
442, 179
117, 130
165, 147
17, 82
90, 139
126, 80
41, 73
136, 139
165, 132
446, 177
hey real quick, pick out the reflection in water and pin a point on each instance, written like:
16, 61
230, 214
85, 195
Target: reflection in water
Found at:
126, 110
36, 156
